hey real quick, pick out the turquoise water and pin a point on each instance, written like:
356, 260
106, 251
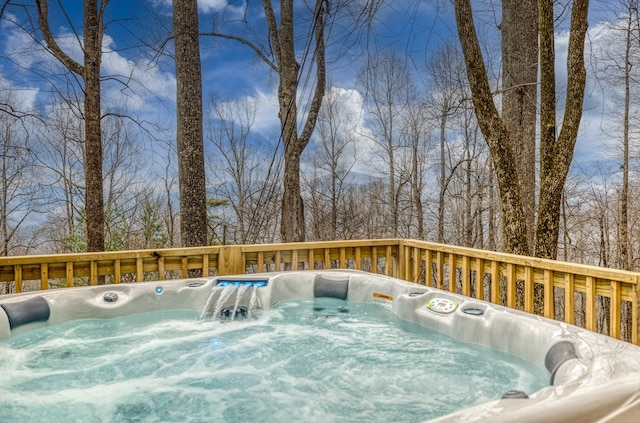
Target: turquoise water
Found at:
320, 360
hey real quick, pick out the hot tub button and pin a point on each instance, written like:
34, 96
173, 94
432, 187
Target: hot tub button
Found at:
442, 305
110, 297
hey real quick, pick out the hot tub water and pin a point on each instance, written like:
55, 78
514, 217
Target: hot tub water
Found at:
313, 360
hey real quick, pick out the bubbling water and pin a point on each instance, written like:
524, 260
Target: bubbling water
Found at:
321, 360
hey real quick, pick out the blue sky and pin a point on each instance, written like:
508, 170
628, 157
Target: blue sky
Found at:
414, 27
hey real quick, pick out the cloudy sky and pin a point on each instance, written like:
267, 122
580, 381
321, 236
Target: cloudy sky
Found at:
412, 27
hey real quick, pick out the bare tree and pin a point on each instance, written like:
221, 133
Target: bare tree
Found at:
61, 155
333, 157
556, 150
245, 171
20, 195
385, 79
445, 70
300, 65
89, 72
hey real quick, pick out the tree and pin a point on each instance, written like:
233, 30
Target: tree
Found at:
292, 227
299, 63
519, 29
386, 80
445, 71
556, 152
618, 73
61, 156
333, 157
89, 72
190, 140
19, 183
245, 171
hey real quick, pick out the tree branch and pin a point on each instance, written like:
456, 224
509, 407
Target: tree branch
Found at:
246, 43
316, 102
54, 48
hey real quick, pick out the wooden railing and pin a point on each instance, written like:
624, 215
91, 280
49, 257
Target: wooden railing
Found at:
599, 299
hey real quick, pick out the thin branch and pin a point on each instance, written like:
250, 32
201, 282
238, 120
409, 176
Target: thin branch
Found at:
247, 43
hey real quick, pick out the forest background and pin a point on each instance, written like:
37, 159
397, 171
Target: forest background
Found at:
396, 148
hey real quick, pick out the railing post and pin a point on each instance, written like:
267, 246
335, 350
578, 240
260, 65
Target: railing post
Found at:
230, 260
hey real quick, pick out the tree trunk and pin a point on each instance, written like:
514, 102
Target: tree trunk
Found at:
190, 141
292, 225
625, 259
514, 236
556, 154
92, 122
519, 29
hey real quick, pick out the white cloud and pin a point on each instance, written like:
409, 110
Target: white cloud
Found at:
139, 81
206, 6
22, 99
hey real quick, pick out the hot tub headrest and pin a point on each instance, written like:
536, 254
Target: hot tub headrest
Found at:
35, 309
333, 287
557, 355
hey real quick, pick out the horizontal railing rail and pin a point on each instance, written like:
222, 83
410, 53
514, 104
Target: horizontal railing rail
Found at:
599, 299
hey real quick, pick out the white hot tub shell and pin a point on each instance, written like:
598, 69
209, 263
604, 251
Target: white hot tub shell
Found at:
593, 378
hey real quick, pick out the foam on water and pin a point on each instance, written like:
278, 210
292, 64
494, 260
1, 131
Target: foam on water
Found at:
318, 360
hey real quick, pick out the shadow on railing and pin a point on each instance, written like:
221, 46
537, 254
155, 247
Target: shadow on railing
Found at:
599, 299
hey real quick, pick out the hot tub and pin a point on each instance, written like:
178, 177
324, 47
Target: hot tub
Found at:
590, 377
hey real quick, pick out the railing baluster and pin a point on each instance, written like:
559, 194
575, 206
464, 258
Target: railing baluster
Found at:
480, 278
428, 267
440, 270
343, 258
161, 269
69, 274
294, 260
310, 259
590, 306
495, 282
358, 258
117, 275
205, 265
139, 270
528, 289
614, 310
44, 276
277, 261
17, 276
93, 273
452, 272
569, 302
511, 285
466, 277
260, 261
387, 262
548, 294
184, 266
374, 259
